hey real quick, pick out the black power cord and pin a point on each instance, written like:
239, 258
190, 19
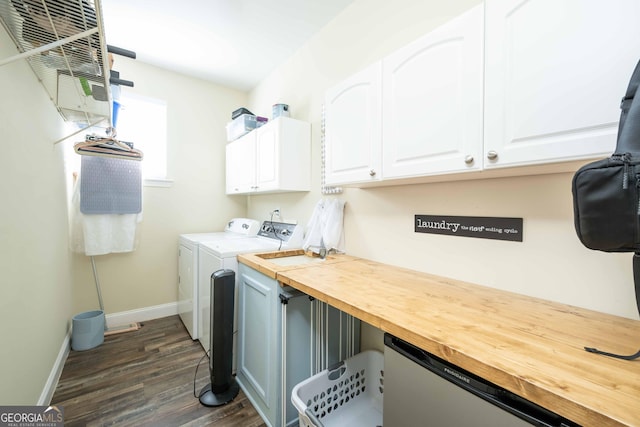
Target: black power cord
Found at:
195, 376
275, 232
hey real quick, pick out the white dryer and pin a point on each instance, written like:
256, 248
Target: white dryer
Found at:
188, 248
222, 254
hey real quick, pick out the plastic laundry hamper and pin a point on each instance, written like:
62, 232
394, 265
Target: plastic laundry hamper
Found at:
88, 330
347, 394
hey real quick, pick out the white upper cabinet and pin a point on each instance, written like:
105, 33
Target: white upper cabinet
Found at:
432, 101
555, 73
353, 138
276, 157
240, 164
509, 83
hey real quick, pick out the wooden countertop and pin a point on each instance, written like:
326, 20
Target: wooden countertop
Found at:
529, 346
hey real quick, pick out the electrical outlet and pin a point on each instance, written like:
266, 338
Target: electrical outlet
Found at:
275, 214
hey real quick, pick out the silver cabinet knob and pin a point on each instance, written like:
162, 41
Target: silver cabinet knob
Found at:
468, 159
372, 173
492, 155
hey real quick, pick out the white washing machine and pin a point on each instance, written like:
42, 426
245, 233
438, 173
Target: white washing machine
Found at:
222, 254
188, 248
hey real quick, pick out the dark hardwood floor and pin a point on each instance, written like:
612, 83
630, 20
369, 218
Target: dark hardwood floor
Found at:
144, 378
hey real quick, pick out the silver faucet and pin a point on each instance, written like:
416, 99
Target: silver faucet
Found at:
320, 250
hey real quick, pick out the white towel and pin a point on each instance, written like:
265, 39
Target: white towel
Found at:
100, 234
325, 228
109, 233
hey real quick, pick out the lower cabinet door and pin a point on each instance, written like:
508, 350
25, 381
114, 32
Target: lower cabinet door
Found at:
258, 367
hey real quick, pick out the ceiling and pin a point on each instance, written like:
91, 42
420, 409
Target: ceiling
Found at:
235, 43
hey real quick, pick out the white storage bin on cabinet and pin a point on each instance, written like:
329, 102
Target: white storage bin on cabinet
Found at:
240, 126
348, 394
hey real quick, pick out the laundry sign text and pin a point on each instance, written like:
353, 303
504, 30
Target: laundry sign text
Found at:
497, 228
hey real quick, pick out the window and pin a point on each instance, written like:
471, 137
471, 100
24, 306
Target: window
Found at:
143, 121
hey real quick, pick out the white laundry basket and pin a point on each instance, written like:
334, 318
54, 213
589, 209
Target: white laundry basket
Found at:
348, 394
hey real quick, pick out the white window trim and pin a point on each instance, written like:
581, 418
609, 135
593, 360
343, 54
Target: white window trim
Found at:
158, 182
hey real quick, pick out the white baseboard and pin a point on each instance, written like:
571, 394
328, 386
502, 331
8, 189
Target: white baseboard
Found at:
56, 371
113, 320
141, 314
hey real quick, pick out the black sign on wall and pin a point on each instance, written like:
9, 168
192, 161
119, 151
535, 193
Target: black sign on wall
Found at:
482, 227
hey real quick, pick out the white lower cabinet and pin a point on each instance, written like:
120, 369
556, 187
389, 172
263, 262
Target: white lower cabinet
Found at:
274, 158
509, 83
285, 337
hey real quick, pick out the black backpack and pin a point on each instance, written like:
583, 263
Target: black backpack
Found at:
606, 194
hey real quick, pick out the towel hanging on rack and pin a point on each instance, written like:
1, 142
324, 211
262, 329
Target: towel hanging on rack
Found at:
100, 234
110, 186
325, 228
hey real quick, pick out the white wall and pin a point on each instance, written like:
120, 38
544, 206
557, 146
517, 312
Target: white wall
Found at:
197, 112
44, 284
35, 290
550, 263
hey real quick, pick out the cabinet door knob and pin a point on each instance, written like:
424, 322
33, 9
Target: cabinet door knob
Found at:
468, 159
492, 155
372, 173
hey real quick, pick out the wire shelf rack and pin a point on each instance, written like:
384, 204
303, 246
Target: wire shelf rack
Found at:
63, 42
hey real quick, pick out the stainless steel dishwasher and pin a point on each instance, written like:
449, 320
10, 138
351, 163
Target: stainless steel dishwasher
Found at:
421, 389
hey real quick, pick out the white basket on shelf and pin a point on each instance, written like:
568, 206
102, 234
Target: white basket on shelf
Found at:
347, 394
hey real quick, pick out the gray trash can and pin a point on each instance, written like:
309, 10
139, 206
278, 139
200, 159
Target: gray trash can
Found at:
87, 330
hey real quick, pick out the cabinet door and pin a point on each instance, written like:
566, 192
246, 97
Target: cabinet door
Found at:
267, 157
353, 134
555, 73
258, 344
432, 101
240, 165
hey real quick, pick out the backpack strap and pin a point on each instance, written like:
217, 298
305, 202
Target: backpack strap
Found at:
627, 99
617, 356
636, 280
629, 130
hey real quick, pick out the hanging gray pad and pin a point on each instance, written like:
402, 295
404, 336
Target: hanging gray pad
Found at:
110, 186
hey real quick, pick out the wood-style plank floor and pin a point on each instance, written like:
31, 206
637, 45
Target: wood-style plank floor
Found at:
144, 378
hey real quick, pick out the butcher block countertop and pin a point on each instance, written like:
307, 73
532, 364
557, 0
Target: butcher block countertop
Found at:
530, 346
